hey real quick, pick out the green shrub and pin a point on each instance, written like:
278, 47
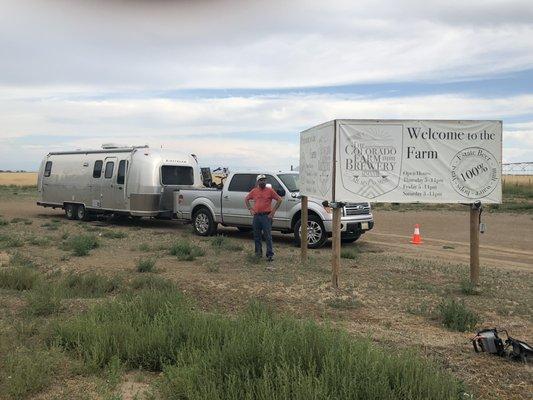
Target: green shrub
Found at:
52, 225
19, 260
44, 299
10, 241
221, 242
27, 371
18, 278
151, 282
456, 316
39, 241
144, 247
17, 220
114, 234
88, 285
3, 222
80, 245
468, 288
186, 251
343, 303
145, 265
349, 253
256, 355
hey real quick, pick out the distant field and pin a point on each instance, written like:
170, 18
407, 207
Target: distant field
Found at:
517, 180
18, 178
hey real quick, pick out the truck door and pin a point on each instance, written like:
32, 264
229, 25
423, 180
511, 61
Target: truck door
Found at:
233, 208
281, 219
108, 184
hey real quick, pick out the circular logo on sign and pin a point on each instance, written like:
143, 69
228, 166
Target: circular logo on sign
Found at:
475, 172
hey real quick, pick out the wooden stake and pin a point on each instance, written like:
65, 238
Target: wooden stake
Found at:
336, 247
474, 245
303, 231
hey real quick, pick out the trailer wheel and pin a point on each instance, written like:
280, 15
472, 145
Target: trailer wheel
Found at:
203, 223
317, 234
70, 211
81, 213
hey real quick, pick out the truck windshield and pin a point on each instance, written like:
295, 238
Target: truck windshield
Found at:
291, 181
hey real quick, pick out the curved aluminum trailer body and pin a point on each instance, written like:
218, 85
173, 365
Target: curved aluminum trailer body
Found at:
138, 181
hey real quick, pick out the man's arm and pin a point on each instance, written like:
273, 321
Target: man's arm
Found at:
247, 202
278, 199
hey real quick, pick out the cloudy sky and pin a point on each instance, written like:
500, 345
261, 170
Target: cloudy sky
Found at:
236, 81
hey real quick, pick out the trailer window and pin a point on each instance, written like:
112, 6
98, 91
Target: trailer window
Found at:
121, 174
48, 168
97, 170
110, 165
177, 175
242, 182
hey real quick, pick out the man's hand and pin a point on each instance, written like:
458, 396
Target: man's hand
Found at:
252, 212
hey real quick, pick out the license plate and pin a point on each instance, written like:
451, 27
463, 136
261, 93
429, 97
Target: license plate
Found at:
364, 226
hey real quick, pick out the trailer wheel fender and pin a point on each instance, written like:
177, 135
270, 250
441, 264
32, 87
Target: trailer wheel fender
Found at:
203, 222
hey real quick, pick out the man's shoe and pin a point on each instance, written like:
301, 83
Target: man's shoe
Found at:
258, 255
270, 259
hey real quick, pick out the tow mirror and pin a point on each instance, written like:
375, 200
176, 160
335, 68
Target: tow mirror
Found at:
281, 192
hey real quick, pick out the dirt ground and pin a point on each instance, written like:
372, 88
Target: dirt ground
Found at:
389, 292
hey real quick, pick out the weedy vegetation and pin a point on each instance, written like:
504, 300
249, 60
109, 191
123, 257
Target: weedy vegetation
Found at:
221, 242
81, 245
255, 355
89, 285
456, 316
145, 265
186, 251
18, 278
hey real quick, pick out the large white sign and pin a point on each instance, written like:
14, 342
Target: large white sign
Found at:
402, 161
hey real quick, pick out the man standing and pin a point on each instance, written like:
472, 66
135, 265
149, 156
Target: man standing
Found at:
263, 214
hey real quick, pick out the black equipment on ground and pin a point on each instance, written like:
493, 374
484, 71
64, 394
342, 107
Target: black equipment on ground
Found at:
488, 341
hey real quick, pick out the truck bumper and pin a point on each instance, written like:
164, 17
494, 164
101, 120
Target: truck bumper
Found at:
351, 227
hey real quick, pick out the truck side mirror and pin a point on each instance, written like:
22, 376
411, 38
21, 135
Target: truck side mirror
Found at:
281, 192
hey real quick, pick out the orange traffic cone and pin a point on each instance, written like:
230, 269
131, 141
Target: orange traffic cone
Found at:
417, 239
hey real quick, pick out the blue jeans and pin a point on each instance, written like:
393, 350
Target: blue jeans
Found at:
262, 226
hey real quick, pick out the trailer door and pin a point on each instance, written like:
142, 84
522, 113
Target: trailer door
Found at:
108, 184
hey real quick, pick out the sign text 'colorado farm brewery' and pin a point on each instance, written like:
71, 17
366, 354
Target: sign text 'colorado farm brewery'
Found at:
405, 161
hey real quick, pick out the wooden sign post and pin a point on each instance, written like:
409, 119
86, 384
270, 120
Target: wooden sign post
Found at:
475, 212
303, 230
336, 247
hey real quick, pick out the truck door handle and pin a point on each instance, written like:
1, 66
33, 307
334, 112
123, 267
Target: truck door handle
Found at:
226, 197
120, 188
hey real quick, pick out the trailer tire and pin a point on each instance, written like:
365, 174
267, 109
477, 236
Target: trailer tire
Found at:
81, 213
203, 222
70, 211
319, 236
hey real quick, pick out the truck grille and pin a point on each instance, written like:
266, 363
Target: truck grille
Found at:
356, 209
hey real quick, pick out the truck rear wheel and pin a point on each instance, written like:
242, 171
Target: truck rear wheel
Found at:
203, 223
317, 235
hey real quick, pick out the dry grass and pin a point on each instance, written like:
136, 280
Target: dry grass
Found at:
18, 178
517, 180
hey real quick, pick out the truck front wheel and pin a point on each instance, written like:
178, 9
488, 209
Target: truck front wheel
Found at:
203, 223
316, 236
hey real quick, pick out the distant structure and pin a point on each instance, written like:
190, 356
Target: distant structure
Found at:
519, 168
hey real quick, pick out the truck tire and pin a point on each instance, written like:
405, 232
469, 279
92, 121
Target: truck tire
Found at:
81, 213
350, 239
318, 235
70, 211
203, 222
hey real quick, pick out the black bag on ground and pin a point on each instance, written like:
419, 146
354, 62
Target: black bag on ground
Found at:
488, 341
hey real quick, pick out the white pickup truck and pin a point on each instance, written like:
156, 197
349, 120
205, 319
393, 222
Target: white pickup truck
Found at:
206, 208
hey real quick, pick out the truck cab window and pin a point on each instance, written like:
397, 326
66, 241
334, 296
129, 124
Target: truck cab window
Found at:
109, 167
177, 175
48, 168
242, 182
97, 170
121, 174
274, 182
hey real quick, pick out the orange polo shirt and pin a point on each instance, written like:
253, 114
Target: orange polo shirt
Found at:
262, 199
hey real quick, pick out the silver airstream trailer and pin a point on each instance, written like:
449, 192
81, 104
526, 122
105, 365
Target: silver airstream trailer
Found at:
135, 181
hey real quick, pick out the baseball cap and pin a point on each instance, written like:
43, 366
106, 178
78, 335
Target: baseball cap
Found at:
262, 176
